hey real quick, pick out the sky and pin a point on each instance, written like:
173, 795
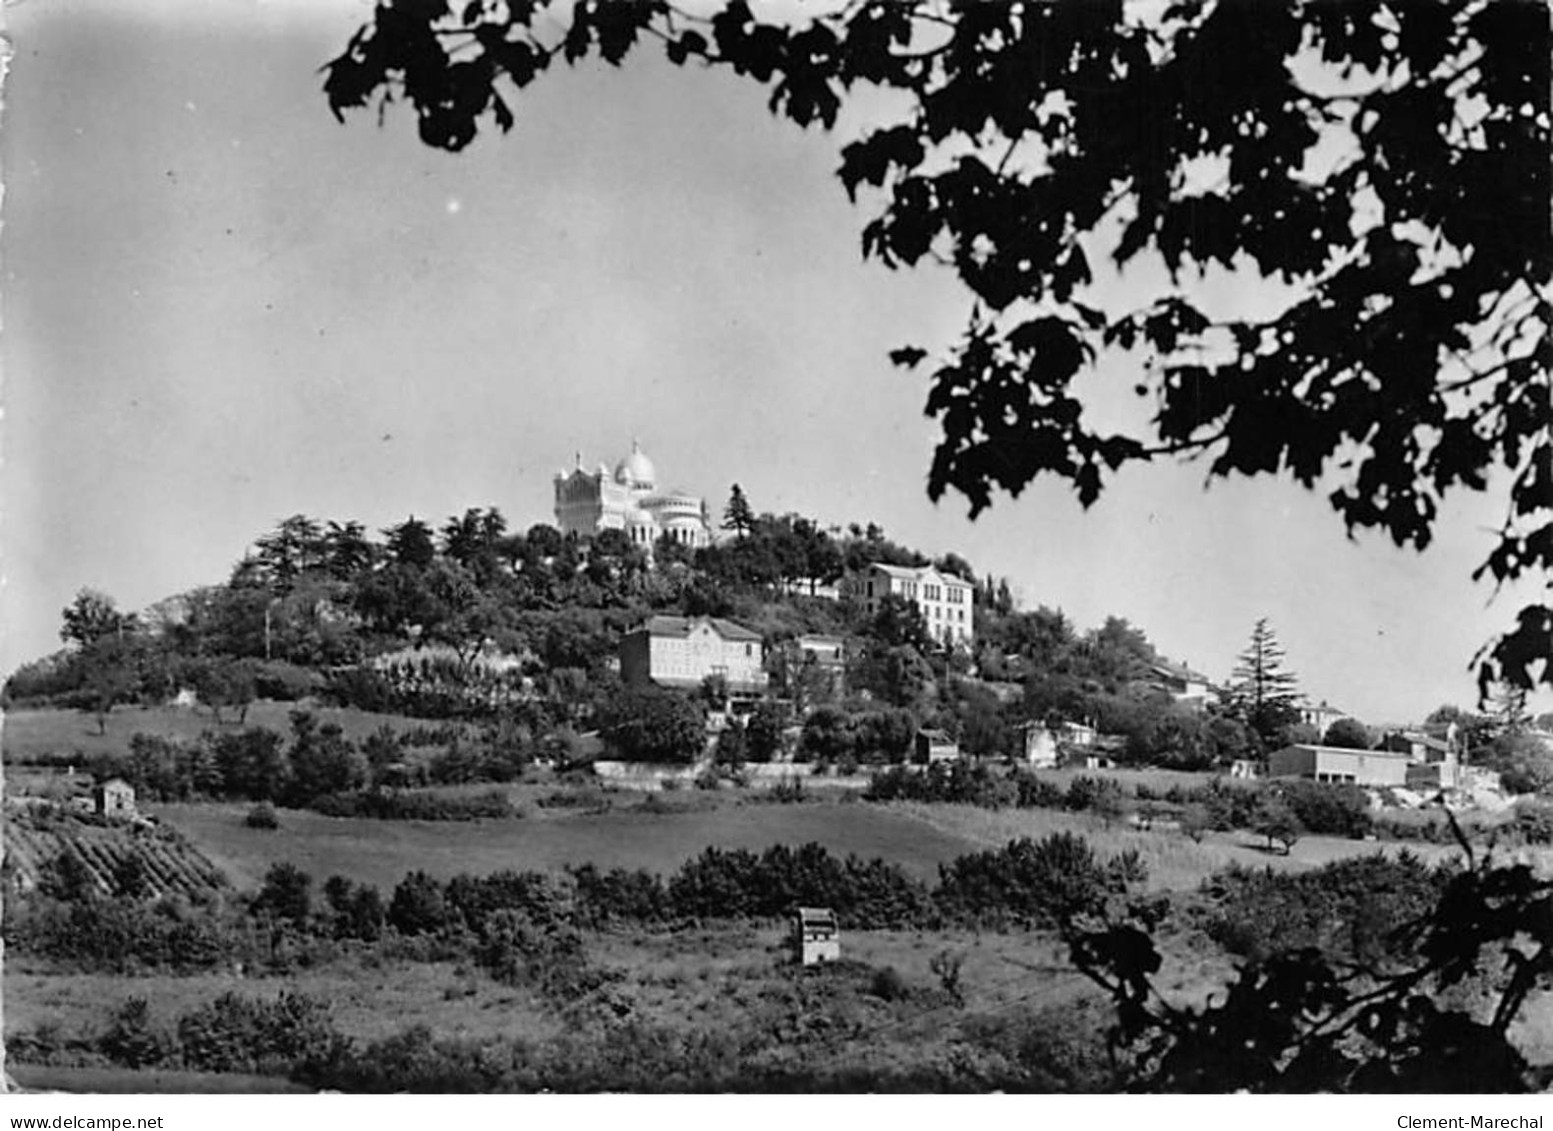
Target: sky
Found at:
221, 307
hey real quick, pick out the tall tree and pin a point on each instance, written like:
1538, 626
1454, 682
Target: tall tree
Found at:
297, 545
92, 616
738, 515
1381, 165
1261, 692
410, 543
347, 549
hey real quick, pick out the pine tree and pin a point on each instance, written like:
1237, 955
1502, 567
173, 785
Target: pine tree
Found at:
737, 515
1261, 693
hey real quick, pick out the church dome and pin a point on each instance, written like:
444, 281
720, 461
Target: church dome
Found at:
636, 470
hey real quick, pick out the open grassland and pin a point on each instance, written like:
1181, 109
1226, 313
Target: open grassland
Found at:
381, 852
730, 979
28, 735
1173, 860
661, 835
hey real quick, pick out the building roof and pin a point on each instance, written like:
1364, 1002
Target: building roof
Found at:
1428, 741
636, 470
917, 573
1317, 749
682, 626
1172, 670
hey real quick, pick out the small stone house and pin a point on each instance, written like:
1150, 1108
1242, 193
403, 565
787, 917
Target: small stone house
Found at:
816, 937
114, 798
935, 746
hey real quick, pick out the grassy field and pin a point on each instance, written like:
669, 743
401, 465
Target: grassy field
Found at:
381, 852
1174, 861
724, 978
30, 734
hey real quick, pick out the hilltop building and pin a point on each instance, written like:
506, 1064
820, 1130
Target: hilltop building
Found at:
943, 599
628, 499
1320, 715
1180, 682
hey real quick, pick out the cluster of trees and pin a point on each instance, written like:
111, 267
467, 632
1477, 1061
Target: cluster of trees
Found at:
319, 766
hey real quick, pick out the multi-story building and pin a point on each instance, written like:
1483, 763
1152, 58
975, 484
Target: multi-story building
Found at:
1180, 682
628, 499
683, 652
1320, 715
943, 599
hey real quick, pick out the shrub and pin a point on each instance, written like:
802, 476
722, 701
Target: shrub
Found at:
242, 1034
1101, 795
286, 894
1327, 809
262, 816
414, 805
1350, 909
417, 905
946, 966
1031, 882
618, 895
788, 791
887, 984
1038, 793
520, 949
133, 1041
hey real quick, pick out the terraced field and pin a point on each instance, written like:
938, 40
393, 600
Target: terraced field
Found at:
170, 864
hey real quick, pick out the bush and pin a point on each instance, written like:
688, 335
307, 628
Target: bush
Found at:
133, 1041
1030, 883
519, 949
414, 805
1099, 795
1350, 909
241, 1034
262, 816
1326, 809
417, 906
887, 984
789, 791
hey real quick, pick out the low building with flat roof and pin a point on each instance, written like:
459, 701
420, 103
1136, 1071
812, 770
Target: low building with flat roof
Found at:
1334, 764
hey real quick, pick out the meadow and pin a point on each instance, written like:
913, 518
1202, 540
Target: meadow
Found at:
657, 836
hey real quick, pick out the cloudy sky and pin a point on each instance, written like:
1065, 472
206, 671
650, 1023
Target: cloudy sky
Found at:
221, 308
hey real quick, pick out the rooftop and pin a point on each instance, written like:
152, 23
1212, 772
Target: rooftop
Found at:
683, 626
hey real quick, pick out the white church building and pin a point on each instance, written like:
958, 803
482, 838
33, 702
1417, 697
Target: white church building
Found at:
628, 499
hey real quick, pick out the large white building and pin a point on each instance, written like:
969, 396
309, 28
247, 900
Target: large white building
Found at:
943, 598
682, 652
628, 499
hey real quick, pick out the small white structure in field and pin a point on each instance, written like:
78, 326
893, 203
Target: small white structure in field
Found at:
1040, 746
816, 938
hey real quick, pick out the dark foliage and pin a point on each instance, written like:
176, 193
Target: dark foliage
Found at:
414, 805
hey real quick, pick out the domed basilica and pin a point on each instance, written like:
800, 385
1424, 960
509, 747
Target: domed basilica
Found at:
628, 499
